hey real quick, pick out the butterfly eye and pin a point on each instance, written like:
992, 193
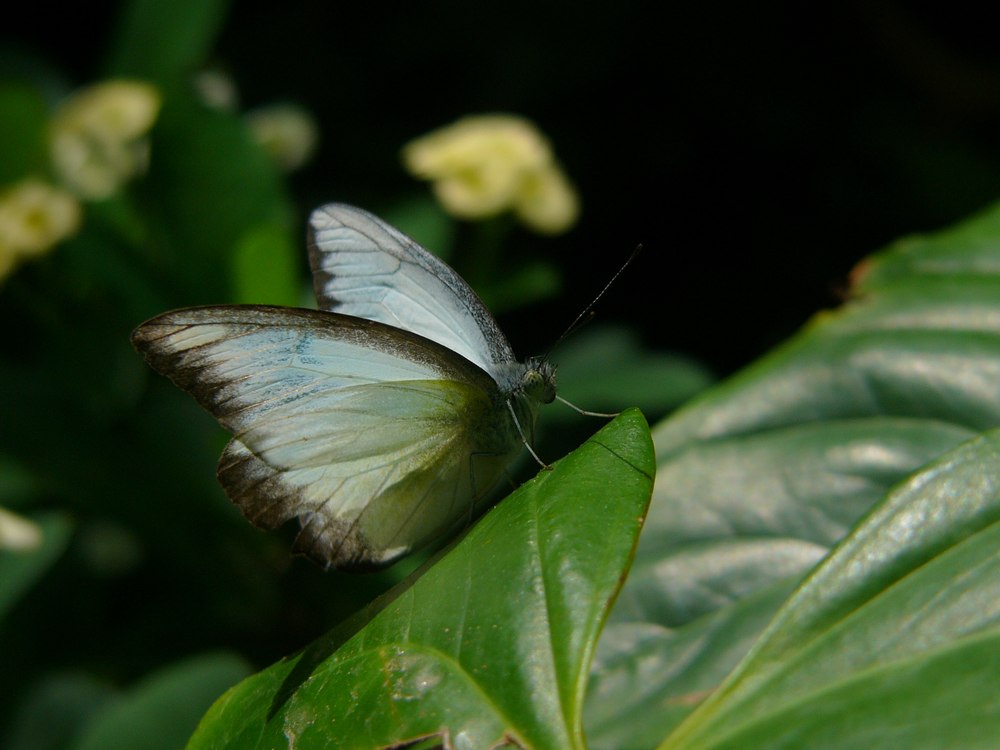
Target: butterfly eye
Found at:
539, 381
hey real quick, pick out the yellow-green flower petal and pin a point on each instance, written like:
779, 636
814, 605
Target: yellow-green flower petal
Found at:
481, 166
547, 202
217, 89
17, 533
34, 217
114, 110
287, 132
481, 139
96, 136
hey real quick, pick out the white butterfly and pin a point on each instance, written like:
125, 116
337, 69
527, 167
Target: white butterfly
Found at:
381, 420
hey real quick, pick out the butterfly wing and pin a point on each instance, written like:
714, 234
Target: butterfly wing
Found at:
377, 439
362, 266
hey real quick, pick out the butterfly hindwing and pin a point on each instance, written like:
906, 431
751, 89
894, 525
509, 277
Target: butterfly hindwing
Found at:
377, 439
362, 266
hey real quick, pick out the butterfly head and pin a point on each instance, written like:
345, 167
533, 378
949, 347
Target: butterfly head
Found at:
539, 380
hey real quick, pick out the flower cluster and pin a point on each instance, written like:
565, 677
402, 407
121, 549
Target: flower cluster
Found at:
96, 143
287, 132
484, 165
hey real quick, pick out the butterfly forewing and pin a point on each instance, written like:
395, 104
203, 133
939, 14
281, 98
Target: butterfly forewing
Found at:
362, 266
377, 439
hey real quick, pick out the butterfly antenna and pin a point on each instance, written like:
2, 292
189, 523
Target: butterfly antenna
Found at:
588, 312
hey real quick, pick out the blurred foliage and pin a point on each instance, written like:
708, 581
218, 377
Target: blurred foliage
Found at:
774, 519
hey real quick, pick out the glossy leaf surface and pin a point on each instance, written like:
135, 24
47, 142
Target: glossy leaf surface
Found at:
491, 643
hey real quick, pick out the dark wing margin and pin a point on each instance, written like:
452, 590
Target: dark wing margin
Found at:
268, 502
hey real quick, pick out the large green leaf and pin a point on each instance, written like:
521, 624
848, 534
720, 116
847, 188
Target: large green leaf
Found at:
735, 515
646, 678
760, 477
491, 642
968, 249
894, 641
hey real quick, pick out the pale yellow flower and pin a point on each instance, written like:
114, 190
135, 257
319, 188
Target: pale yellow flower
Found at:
17, 533
547, 202
483, 165
217, 90
287, 132
34, 217
97, 136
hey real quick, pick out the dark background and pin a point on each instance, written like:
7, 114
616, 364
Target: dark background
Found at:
757, 151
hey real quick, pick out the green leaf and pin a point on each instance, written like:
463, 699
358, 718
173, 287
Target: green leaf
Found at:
74, 697
210, 185
923, 347
165, 41
607, 368
163, 709
894, 640
968, 249
646, 678
265, 267
524, 284
732, 516
18, 485
492, 641
23, 133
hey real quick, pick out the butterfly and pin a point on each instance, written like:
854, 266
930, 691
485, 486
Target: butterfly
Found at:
381, 420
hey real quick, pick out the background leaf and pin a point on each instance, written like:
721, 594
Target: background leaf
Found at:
266, 268
162, 42
23, 132
899, 629
80, 712
161, 711
51, 712
209, 186
602, 367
